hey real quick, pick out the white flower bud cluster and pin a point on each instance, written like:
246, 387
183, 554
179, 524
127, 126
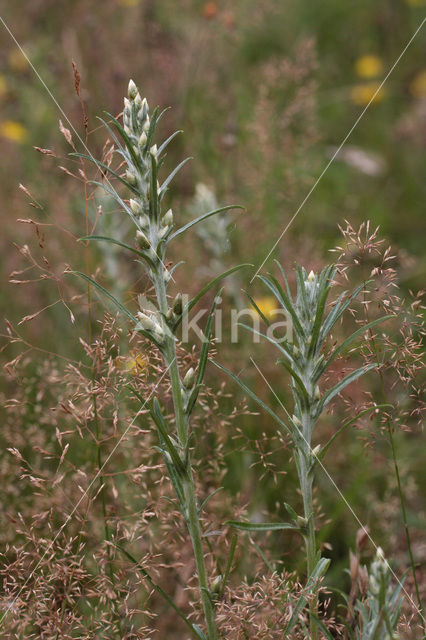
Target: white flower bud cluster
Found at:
153, 228
150, 324
379, 571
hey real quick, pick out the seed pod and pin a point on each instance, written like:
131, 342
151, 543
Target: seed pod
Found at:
136, 207
178, 304
132, 90
189, 379
142, 240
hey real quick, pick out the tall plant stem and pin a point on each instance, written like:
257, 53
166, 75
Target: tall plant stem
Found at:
305, 480
190, 507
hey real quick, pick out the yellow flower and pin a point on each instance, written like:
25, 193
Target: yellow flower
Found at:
268, 306
13, 131
362, 93
17, 61
368, 67
3, 85
134, 363
418, 85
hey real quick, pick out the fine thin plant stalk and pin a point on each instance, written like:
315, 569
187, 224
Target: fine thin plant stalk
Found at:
154, 231
306, 362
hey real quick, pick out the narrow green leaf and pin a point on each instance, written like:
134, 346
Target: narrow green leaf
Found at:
204, 216
321, 626
117, 242
351, 377
127, 141
339, 308
101, 165
348, 424
287, 286
254, 305
228, 564
152, 126
207, 500
167, 142
106, 294
168, 180
261, 526
284, 301
291, 512
153, 198
157, 416
203, 356
285, 351
207, 288
345, 344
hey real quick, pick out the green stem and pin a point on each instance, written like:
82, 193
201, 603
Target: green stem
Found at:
190, 507
305, 480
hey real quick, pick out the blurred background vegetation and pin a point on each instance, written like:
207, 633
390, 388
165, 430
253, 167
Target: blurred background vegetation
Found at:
265, 91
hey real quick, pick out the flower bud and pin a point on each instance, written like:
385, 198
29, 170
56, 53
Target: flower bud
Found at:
158, 333
163, 232
166, 275
132, 90
170, 316
143, 221
143, 139
138, 100
142, 240
153, 151
296, 421
147, 323
168, 218
178, 304
189, 379
311, 277
302, 522
136, 207
131, 178
216, 584
317, 393
316, 450
146, 125
127, 130
295, 351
